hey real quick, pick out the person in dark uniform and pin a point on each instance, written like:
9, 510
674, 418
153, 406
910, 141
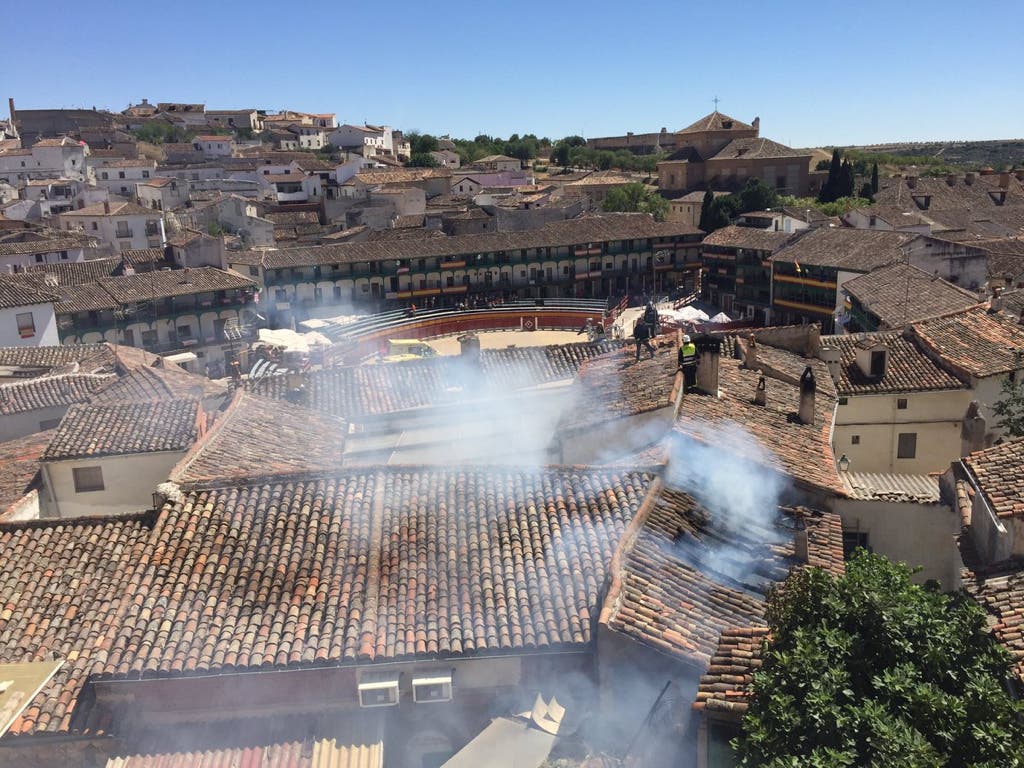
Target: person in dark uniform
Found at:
642, 335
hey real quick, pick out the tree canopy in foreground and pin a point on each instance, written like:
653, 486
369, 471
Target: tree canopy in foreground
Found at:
869, 669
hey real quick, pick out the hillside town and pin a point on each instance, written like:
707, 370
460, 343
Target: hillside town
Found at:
338, 444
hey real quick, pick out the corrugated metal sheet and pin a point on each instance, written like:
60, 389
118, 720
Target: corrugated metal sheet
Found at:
878, 486
325, 753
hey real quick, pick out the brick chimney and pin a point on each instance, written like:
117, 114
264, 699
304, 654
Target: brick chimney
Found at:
761, 393
808, 386
750, 356
1004, 180
973, 428
709, 352
106, 207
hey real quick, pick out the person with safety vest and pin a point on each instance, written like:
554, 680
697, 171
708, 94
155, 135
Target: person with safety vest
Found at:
688, 362
642, 335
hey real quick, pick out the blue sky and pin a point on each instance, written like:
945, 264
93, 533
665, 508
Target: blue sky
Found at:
816, 73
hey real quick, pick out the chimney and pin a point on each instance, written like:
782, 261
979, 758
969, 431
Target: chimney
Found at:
106, 207
469, 346
995, 304
951, 179
1004, 180
972, 430
912, 182
14, 117
709, 351
808, 386
1019, 174
750, 356
969, 178
760, 394
756, 125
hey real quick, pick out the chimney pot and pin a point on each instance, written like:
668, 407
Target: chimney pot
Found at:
969, 178
760, 394
912, 182
808, 387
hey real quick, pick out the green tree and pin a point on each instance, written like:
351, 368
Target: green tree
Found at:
874, 179
575, 141
868, 669
421, 143
830, 189
866, 191
1010, 407
636, 198
560, 155
757, 196
422, 160
705, 211
846, 179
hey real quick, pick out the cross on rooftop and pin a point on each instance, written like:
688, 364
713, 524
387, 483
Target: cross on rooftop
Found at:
716, 103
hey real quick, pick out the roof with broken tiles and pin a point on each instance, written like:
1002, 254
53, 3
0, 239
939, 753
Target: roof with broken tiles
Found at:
901, 293
770, 435
725, 687
976, 343
158, 382
92, 431
89, 358
355, 392
258, 436
998, 472
383, 564
686, 573
20, 461
908, 368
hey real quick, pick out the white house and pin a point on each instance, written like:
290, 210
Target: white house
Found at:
62, 158
446, 157
121, 176
377, 138
27, 316
15, 256
109, 459
122, 225
162, 193
214, 146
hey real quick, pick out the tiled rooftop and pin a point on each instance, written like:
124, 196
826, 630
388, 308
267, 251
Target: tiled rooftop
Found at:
619, 226
1000, 591
880, 486
900, 293
386, 564
687, 575
92, 358
773, 437
158, 382
856, 250
23, 291
974, 343
725, 687
355, 392
754, 238
20, 461
907, 368
50, 391
999, 474
110, 430
257, 436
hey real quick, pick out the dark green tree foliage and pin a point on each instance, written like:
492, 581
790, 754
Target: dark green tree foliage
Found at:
866, 191
636, 198
1010, 407
705, 211
846, 180
869, 669
874, 179
161, 132
830, 189
421, 143
757, 196
422, 160
560, 154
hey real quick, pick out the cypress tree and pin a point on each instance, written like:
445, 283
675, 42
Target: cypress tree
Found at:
846, 181
874, 178
830, 190
705, 211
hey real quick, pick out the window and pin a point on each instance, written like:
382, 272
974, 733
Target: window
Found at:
120, 174
878, 362
63, 255
432, 689
95, 226
145, 174
26, 325
907, 448
855, 440
88, 479
185, 331
254, 271
901, 403
844, 400
39, 258
854, 540
104, 175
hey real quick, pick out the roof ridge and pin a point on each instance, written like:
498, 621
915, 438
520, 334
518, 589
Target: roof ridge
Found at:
200, 445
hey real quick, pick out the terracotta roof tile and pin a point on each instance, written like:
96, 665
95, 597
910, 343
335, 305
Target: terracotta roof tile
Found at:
999, 474
50, 391
907, 369
384, 564
162, 382
900, 293
856, 250
1000, 591
973, 343
20, 461
725, 687
109, 430
258, 436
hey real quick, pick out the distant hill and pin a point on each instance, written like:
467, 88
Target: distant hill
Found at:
996, 153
